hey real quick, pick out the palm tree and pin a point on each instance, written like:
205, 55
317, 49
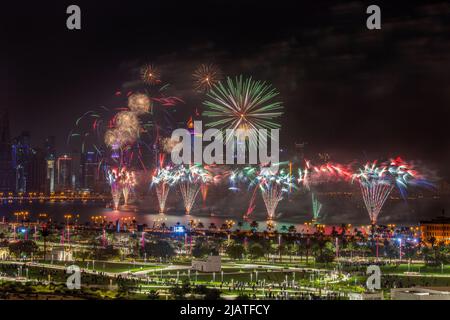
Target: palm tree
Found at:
432, 241
292, 229
304, 246
45, 233
334, 232
212, 226
321, 242
308, 247
254, 225
351, 248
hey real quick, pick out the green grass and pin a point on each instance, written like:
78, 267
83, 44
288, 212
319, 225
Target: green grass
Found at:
268, 276
111, 267
423, 269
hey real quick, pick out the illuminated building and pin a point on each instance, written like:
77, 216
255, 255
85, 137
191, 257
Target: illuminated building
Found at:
210, 264
64, 173
50, 182
21, 154
50, 156
37, 171
90, 171
49, 146
76, 175
6, 167
437, 228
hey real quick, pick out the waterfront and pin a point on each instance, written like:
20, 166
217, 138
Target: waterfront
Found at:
144, 212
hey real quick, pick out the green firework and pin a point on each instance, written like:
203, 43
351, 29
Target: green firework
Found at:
242, 104
317, 207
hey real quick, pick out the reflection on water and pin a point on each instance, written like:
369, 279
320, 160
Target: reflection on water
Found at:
85, 211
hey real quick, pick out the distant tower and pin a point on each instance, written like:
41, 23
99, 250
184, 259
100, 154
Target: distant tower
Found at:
50, 156
50, 177
37, 171
90, 174
21, 156
64, 173
49, 146
7, 176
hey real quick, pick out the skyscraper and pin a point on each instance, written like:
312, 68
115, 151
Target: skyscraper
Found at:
50, 178
50, 156
21, 155
6, 165
50, 148
64, 173
90, 172
76, 174
36, 171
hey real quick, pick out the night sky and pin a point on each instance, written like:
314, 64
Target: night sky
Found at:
348, 91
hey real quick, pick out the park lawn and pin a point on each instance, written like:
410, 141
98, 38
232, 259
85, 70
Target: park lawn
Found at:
421, 281
406, 281
272, 276
423, 269
282, 264
110, 267
117, 267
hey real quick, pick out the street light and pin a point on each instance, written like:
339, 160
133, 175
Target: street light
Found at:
67, 217
42, 216
21, 214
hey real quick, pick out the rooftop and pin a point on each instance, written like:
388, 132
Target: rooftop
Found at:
437, 220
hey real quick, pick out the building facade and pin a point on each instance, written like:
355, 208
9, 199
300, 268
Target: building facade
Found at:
37, 172
21, 157
437, 228
211, 264
64, 173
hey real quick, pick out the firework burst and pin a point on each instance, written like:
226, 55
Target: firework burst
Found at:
162, 180
190, 179
316, 208
128, 181
206, 76
242, 104
116, 138
273, 186
128, 121
139, 103
113, 180
377, 181
150, 74
238, 177
204, 191
329, 172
